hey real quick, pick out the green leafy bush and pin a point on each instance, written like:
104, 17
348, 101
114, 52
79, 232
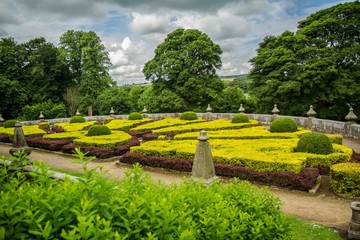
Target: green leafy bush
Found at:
135, 116
188, 116
240, 118
50, 110
77, 119
45, 126
283, 125
345, 178
97, 130
317, 143
96, 207
107, 120
9, 123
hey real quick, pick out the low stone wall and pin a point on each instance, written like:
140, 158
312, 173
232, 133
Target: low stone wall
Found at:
347, 129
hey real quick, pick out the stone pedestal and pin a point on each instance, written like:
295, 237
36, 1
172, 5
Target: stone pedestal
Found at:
19, 142
354, 228
208, 113
203, 165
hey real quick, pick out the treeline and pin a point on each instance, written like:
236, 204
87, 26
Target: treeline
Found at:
316, 65
37, 73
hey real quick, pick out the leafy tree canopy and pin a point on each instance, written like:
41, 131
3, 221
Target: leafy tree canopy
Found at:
185, 64
318, 65
89, 63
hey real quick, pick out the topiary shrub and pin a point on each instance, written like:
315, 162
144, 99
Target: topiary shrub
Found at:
135, 116
9, 123
77, 119
240, 118
314, 143
283, 125
188, 116
97, 130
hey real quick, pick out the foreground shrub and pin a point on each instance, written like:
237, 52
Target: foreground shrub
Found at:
9, 123
77, 119
317, 143
345, 178
136, 208
188, 116
97, 130
283, 125
240, 118
135, 116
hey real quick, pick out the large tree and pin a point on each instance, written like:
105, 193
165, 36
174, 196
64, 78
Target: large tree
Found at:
318, 65
89, 63
185, 64
46, 76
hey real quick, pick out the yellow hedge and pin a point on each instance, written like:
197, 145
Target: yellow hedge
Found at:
258, 132
29, 131
73, 127
166, 122
65, 135
264, 155
208, 126
345, 178
106, 141
125, 124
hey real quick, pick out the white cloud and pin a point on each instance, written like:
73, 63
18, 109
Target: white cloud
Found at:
131, 29
149, 23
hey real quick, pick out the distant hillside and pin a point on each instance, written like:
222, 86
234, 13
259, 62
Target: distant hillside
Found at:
234, 76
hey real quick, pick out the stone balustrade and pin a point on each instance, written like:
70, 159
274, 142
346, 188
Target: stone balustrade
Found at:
348, 129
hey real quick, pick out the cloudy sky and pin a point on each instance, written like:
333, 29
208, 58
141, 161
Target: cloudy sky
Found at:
131, 29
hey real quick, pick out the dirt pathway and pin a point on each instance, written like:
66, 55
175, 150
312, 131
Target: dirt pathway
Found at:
323, 207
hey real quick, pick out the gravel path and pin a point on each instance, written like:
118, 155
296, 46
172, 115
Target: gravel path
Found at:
323, 207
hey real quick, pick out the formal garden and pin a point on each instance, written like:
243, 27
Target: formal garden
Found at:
281, 154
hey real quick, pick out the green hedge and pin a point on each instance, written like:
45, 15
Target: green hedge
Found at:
97, 130
135, 116
188, 116
49, 109
10, 123
136, 208
283, 125
77, 119
345, 178
317, 143
240, 118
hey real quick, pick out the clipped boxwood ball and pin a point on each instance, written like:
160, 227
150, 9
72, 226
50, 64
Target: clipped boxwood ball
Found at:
97, 130
77, 119
283, 125
240, 118
9, 123
188, 116
314, 143
135, 116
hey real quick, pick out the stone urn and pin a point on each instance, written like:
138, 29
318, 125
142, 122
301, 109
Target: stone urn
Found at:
354, 228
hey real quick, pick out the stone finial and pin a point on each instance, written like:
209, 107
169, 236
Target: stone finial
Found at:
208, 109
203, 165
1, 120
144, 110
77, 112
41, 117
19, 142
351, 117
241, 109
275, 110
354, 228
112, 112
203, 136
311, 112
